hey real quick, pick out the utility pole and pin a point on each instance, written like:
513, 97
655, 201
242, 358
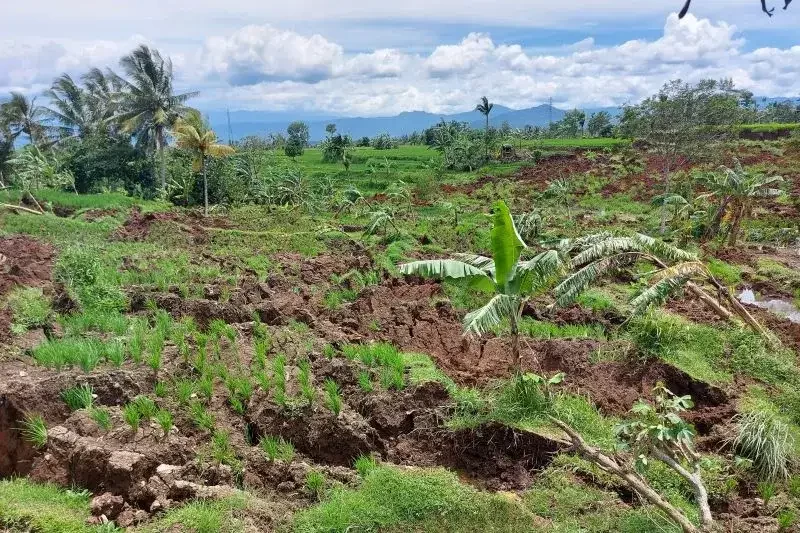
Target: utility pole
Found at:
230, 130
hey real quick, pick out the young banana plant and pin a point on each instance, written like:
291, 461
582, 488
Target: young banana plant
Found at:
512, 281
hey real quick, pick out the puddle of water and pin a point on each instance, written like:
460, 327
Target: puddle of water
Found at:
779, 307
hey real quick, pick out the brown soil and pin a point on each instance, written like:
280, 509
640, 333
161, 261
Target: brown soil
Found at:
28, 262
138, 225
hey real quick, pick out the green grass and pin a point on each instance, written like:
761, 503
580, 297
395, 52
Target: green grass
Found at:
202, 516
394, 499
69, 352
79, 397
28, 506
276, 448
728, 274
29, 309
34, 430
586, 142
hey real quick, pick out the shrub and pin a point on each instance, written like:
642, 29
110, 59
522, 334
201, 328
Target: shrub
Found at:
80, 397
766, 440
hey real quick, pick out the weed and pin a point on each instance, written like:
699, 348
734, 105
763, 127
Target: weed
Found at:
766, 489
132, 416
315, 483
201, 417
277, 448
79, 397
164, 420
101, 417
786, 519
334, 396
34, 430
365, 381
364, 464
766, 440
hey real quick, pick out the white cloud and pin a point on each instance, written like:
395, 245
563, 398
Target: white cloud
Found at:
459, 58
258, 53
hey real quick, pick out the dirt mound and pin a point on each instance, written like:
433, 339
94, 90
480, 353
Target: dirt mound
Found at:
138, 225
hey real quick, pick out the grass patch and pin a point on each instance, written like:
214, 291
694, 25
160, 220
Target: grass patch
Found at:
394, 499
202, 516
29, 309
28, 506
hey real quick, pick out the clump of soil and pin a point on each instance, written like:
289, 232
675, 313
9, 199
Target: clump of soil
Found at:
138, 225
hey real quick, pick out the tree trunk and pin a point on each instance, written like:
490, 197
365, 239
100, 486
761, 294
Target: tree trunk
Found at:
205, 185
515, 352
665, 173
630, 477
486, 138
695, 481
162, 164
704, 297
737, 224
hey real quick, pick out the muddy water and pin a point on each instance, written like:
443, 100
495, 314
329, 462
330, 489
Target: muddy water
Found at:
779, 307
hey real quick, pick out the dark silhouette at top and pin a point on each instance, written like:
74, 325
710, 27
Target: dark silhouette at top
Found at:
763, 7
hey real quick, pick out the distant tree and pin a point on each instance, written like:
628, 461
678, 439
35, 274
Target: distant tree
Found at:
330, 129
297, 139
22, 116
383, 141
195, 135
682, 121
485, 107
148, 105
599, 125
363, 142
70, 107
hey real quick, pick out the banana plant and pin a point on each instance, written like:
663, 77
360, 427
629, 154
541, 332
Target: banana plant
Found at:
510, 280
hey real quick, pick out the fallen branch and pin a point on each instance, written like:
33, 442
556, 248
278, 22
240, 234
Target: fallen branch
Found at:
20, 208
628, 475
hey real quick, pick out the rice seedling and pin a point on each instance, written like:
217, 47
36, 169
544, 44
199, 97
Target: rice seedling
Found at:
206, 387
147, 407
315, 483
164, 420
786, 519
221, 448
263, 381
160, 389
79, 397
34, 430
333, 396
101, 417
115, 353
184, 389
767, 441
201, 417
306, 388
276, 448
329, 351
132, 416
364, 464
767, 490
365, 381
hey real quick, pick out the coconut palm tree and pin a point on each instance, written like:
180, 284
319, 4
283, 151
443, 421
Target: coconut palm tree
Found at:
148, 105
485, 107
69, 107
103, 91
512, 281
22, 116
194, 134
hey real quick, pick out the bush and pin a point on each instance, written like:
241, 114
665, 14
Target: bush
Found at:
766, 440
29, 308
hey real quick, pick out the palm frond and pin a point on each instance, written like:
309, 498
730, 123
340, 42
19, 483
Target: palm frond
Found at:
568, 290
663, 250
657, 293
441, 268
492, 314
605, 248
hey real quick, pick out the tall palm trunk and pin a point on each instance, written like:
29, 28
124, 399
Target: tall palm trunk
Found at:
161, 161
205, 184
486, 137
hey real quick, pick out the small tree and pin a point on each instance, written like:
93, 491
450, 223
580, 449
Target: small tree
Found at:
512, 281
735, 190
656, 432
297, 139
195, 135
599, 125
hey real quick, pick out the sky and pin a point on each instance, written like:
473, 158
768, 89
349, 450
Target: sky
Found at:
368, 58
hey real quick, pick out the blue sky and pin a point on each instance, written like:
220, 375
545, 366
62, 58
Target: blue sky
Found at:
359, 57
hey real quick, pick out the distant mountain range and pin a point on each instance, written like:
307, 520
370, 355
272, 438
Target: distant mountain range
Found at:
244, 123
